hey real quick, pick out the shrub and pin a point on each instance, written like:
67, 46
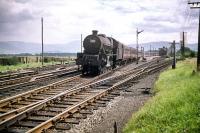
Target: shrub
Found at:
9, 61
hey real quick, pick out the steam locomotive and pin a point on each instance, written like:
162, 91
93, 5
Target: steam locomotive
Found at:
102, 53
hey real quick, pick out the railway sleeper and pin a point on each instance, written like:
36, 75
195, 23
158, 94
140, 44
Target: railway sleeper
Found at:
72, 100
37, 98
68, 85
46, 113
13, 91
109, 84
74, 97
32, 100
52, 109
55, 91
15, 129
129, 84
62, 126
123, 88
99, 104
110, 97
86, 111
114, 94
100, 101
105, 99
9, 107
51, 94
16, 106
37, 118
71, 121
101, 87
79, 97
91, 107
59, 105
46, 95
25, 102
83, 94
86, 93
65, 102
6, 94
128, 90
4, 110
29, 124
78, 116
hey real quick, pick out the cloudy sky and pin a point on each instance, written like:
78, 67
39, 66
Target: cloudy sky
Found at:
65, 20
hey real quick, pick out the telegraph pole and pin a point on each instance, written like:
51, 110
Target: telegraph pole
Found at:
81, 43
137, 33
142, 52
42, 43
183, 46
196, 5
174, 55
153, 51
137, 45
150, 51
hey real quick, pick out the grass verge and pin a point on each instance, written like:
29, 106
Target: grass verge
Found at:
176, 105
22, 66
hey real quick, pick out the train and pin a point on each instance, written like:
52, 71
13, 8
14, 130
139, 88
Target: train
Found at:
102, 53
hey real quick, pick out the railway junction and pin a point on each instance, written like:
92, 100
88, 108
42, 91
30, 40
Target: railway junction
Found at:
102, 82
99, 93
64, 105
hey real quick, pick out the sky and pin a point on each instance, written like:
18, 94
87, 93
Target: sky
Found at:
65, 20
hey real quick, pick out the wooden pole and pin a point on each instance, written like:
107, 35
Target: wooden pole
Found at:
42, 43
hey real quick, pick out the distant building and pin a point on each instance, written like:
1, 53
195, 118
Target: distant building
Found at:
170, 51
163, 51
160, 52
151, 53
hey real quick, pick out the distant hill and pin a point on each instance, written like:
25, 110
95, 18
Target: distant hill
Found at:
161, 44
15, 47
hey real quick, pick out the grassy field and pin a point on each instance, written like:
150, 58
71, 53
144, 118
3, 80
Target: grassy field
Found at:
176, 105
22, 66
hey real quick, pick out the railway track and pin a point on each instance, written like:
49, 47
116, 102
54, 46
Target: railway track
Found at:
39, 80
35, 81
31, 71
60, 111
13, 105
16, 75
27, 76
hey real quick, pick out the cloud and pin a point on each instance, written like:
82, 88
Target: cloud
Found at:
22, 1
65, 20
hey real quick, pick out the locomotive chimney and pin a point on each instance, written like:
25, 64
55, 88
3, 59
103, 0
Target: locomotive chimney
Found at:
94, 32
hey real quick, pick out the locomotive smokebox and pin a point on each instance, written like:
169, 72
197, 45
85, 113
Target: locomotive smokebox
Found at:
95, 43
95, 32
